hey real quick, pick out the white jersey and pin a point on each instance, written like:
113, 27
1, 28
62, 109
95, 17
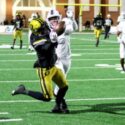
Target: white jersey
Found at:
121, 28
108, 22
63, 48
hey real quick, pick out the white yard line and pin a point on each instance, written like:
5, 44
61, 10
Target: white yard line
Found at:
83, 53
69, 100
70, 80
72, 60
10, 120
16, 69
101, 40
72, 68
4, 113
102, 53
90, 49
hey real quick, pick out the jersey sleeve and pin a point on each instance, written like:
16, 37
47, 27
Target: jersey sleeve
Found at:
68, 26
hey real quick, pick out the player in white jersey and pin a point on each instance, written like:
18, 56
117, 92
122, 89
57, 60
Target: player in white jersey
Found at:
121, 38
33, 16
107, 25
63, 48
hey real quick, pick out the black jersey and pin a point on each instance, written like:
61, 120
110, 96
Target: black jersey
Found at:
98, 22
18, 24
45, 50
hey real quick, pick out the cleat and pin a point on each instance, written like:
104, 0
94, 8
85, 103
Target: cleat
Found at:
56, 109
64, 107
12, 47
65, 111
20, 90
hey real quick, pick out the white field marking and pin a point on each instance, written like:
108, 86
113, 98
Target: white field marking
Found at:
69, 80
32, 53
8, 46
89, 45
4, 113
89, 49
72, 60
73, 54
108, 65
20, 81
76, 54
83, 33
69, 100
10, 120
30, 60
86, 53
83, 49
17, 69
93, 59
106, 41
72, 68
14, 54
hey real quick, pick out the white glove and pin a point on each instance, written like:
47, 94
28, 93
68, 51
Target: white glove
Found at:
69, 14
53, 36
119, 39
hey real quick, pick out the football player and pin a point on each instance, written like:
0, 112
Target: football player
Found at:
18, 25
45, 65
121, 38
68, 25
108, 24
33, 16
98, 24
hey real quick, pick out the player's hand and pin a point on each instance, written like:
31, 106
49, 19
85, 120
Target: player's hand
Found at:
53, 36
70, 14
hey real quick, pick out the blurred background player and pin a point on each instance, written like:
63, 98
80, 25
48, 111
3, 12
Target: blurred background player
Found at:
98, 25
107, 26
18, 25
63, 48
45, 65
33, 16
121, 38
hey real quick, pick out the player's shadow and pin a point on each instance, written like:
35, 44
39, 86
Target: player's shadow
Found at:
4, 118
111, 108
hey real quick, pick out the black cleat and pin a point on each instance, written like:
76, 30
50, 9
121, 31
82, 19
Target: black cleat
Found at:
57, 109
64, 107
20, 90
12, 47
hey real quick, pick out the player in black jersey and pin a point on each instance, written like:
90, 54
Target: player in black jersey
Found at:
18, 24
98, 24
45, 66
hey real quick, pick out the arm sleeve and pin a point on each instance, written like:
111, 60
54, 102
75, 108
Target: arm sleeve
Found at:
68, 26
119, 27
75, 26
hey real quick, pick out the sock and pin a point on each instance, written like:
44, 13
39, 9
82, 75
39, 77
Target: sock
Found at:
60, 95
37, 95
122, 63
21, 43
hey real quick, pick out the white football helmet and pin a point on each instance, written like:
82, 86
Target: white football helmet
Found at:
53, 18
34, 16
53, 13
69, 14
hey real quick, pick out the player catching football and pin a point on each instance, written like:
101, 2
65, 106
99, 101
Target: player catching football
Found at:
45, 65
64, 28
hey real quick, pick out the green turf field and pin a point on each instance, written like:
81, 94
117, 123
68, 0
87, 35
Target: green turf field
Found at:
96, 93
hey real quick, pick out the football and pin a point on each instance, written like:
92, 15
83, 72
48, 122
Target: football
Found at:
60, 28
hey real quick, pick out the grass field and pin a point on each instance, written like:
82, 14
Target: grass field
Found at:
96, 93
